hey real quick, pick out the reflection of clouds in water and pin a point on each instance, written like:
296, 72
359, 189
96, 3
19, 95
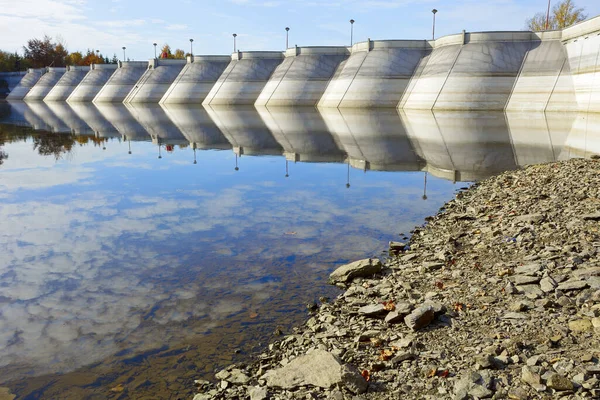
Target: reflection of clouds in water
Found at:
92, 273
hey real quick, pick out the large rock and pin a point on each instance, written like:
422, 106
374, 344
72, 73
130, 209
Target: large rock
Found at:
420, 317
318, 368
357, 269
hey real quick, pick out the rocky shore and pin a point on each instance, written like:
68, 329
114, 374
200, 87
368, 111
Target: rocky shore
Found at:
497, 296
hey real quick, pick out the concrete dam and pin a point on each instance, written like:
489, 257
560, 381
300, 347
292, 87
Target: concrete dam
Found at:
496, 71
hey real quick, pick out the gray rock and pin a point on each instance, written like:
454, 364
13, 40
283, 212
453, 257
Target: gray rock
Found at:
580, 325
529, 269
547, 284
530, 218
529, 376
525, 279
356, 269
530, 291
372, 310
572, 285
318, 368
258, 393
515, 315
472, 384
420, 317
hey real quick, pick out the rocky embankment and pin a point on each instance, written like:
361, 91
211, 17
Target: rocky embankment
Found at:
497, 296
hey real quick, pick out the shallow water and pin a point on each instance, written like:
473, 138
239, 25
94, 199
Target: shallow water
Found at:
144, 247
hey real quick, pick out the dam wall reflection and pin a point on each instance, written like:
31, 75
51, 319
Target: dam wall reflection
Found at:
458, 146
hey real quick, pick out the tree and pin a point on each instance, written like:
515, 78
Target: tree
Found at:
165, 52
563, 14
179, 54
11, 62
45, 53
75, 58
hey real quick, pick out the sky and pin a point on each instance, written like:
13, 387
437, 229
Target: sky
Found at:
108, 25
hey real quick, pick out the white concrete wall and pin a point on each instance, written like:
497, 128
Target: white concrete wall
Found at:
582, 42
92, 116
121, 82
303, 76
155, 82
11, 80
195, 80
67, 83
244, 78
123, 121
376, 75
26, 83
92, 83
45, 84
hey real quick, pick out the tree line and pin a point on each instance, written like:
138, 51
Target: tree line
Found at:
46, 52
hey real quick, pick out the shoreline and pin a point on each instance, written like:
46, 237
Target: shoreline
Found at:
497, 296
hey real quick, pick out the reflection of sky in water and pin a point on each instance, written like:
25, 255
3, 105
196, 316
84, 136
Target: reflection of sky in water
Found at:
106, 251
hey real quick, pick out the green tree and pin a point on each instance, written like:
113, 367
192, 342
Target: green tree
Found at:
11, 62
563, 14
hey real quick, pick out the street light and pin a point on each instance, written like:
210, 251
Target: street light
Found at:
124, 53
548, 16
351, 32
287, 36
234, 44
434, 11
154, 44
191, 47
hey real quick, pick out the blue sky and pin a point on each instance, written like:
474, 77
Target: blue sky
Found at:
108, 25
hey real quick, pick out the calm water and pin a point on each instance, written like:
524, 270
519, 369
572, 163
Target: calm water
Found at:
144, 247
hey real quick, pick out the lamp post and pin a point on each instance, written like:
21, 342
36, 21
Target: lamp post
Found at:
287, 37
548, 16
154, 44
234, 42
351, 32
434, 11
124, 53
191, 47
424, 197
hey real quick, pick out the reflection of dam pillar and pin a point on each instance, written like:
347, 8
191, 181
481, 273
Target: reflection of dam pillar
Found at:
45, 84
245, 130
538, 137
69, 118
156, 122
20, 111
302, 133
155, 81
244, 78
376, 74
92, 116
195, 80
120, 117
303, 76
373, 139
465, 146
197, 126
121, 82
52, 122
67, 83
583, 140
93, 81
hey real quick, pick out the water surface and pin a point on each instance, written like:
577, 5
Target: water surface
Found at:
143, 247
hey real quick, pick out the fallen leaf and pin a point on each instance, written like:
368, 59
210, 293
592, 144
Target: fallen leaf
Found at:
432, 373
444, 373
253, 315
117, 389
389, 306
439, 285
365, 374
386, 354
